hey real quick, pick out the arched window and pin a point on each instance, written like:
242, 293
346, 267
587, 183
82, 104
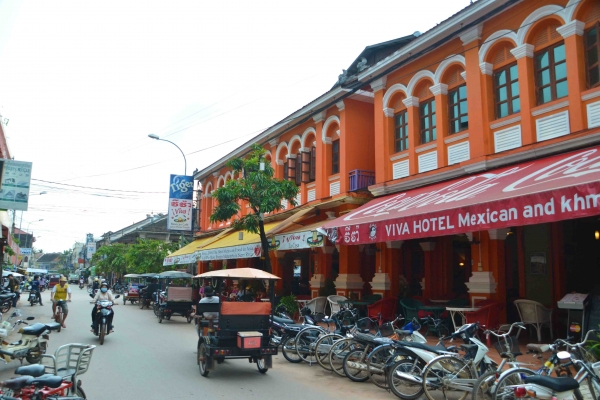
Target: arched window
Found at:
457, 100
427, 112
589, 13
507, 96
400, 122
550, 63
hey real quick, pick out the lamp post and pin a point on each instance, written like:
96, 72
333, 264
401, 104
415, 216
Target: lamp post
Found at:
153, 136
31, 194
33, 222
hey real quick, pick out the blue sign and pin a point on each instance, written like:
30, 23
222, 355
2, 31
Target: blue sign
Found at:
181, 187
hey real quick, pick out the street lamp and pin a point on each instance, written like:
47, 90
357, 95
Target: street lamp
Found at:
30, 194
153, 136
32, 222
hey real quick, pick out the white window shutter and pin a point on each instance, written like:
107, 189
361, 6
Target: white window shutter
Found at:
311, 195
284, 204
428, 161
593, 113
400, 169
506, 139
552, 126
458, 153
334, 188
299, 198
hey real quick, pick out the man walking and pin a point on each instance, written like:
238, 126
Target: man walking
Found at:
60, 292
12, 284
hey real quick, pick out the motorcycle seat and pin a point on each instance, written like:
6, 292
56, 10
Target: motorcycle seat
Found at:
35, 329
49, 380
6, 296
17, 383
53, 326
283, 320
556, 384
34, 370
423, 346
383, 340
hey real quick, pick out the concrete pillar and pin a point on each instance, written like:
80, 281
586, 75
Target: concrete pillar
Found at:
349, 279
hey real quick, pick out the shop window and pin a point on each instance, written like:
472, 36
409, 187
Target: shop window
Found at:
592, 51
289, 169
458, 113
335, 157
313, 164
551, 74
308, 159
506, 91
428, 123
401, 131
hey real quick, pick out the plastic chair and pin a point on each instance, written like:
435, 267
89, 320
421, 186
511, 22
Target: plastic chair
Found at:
488, 316
384, 310
317, 305
333, 303
69, 361
372, 297
535, 314
411, 309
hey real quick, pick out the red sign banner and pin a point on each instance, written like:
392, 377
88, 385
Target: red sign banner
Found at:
551, 189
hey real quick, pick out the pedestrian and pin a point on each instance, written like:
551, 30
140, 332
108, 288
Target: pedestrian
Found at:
12, 286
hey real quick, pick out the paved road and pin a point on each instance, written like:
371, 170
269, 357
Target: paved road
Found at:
147, 360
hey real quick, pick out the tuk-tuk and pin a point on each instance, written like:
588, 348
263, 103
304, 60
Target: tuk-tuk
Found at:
235, 329
132, 293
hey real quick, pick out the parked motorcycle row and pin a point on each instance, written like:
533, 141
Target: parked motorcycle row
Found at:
400, 360
35, 381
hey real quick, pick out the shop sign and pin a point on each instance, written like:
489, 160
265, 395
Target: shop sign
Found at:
91, 249
26, 251
296, 240
182, 259
546, 190
14, 189
232, 252
181, 194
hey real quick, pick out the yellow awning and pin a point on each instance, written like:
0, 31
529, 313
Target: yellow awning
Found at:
190, 248
233, 239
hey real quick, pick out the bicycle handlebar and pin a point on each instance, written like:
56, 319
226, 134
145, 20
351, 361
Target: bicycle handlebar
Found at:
519, 325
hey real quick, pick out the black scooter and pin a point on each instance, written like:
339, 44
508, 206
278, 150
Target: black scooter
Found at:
34, 298
101, 327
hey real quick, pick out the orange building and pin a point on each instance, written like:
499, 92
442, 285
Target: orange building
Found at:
496, 88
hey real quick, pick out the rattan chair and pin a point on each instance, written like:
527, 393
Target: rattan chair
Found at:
535, 314
317, 305
334, 305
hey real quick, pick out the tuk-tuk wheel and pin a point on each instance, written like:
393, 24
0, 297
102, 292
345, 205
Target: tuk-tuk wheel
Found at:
202, 360
261, 365
189, 318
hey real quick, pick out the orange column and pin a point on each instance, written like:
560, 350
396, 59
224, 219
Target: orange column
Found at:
382, 135
576, 80
349, 279
428, 261
323, 158
441, 106
412, 109
276, 271
387, 273
345, 144
524, 56
478, 127
496, 259
488, 111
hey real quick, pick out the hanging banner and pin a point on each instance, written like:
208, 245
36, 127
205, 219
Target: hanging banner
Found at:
232, 252
296, 240
14, 190
182, 259
26, 251
91, 249
181, 194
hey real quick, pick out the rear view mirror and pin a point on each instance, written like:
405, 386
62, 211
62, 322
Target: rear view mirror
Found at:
91, 295
30, 318
117, 296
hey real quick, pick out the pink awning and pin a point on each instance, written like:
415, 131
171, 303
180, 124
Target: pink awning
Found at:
560, 187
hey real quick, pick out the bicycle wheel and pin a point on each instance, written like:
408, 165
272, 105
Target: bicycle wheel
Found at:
482, 390
355, 365
593, 389
512, 376
405, 380
306, 343
376, 363
338, 352
288, 348
323, 347
441, 374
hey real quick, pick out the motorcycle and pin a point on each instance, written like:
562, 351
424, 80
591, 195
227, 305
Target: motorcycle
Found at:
33, 297
101, 328
6, 300
33, 342
81, 285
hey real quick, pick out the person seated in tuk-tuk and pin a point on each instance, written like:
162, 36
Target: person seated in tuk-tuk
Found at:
245, 292
209, 297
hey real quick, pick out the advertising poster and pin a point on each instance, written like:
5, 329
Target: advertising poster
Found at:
181, 194
91, 249
16, 179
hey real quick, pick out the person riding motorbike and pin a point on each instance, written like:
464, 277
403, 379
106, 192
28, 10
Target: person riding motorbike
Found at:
96, 284
60, 292
35, 288
103, 294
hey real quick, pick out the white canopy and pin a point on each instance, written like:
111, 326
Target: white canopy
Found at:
238, 273
5, 273
36, 271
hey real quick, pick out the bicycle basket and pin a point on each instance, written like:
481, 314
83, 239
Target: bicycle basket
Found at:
386, 330
511, 342
367, 325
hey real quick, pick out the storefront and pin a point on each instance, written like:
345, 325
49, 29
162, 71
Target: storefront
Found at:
530, 230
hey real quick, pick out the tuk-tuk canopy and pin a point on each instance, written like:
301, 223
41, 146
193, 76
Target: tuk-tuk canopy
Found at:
238, 273
131, 276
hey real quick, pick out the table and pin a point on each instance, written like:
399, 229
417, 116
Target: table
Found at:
460, 311
441, 301
435, 310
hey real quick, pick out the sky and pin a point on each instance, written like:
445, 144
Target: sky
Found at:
84, 83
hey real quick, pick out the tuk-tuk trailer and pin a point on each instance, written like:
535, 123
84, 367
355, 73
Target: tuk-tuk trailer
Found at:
235, 330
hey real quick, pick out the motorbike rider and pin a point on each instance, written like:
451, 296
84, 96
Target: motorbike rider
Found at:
35, 287
60, 292
96, 284
12, 286
103, 294
209, 297
81, 281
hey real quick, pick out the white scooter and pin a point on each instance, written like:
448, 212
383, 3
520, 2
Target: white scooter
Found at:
33, 342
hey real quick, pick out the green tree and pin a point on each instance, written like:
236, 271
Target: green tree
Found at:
147, 255
64, 258
259, 190
111, 259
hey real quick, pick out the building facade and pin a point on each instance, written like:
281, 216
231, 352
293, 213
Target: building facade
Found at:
499, 84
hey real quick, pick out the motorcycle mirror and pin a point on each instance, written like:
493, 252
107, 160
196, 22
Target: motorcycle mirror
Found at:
91, 295
117, 296
563, 355
30, 318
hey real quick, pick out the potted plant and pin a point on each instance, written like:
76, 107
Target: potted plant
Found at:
291, 305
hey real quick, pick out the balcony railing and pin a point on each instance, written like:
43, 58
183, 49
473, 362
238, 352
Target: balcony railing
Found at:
360, 179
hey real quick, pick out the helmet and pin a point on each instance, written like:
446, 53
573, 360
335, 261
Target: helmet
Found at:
95, 279
104, 284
